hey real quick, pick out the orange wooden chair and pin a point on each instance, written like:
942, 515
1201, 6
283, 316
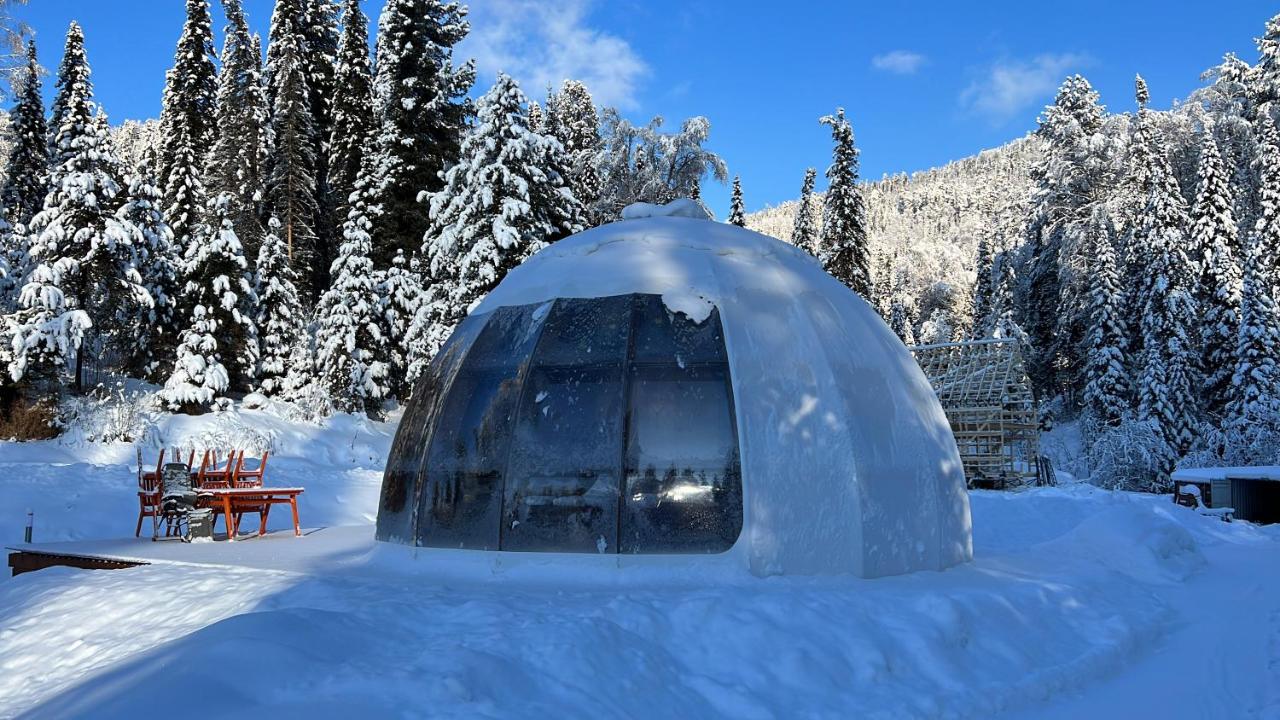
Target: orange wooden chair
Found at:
251, 477
149, 495
214, 473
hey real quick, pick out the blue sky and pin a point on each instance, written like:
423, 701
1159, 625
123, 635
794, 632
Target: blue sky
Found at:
923, 82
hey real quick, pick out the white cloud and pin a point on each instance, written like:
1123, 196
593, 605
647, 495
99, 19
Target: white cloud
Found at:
899, 62
542, 43
1010, 86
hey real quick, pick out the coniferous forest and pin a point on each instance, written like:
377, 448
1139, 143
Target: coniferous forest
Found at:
309, 220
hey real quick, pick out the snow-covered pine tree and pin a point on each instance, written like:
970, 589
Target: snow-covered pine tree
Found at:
1063, 189
199, 377
218, 280
351, 351
187, 116
27, 166
1266, 231
234, 166
846, 254
537, 120
505, 199
1003, 322
882, 286
1265, 76
983, 288
280, 320
291, 182
575, 122
804, 233
353, 119
1257, 377
421, 107
400, 296
158, 333
1213, 241
1167, 396
88, 252
1256, 381
737, 211
1106, 394
321, 33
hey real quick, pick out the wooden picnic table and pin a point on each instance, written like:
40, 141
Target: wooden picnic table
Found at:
253, 499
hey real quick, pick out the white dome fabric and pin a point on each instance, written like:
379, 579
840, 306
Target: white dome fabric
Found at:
848, 463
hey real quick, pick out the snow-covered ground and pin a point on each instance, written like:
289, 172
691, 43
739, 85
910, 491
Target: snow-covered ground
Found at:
1080, 602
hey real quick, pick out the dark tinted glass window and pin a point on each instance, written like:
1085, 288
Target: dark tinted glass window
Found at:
407, 461
461, 498
582, 425
683, 487
666, 337
562, 484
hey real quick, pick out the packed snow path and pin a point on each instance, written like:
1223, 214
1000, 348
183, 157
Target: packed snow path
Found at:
1080, 602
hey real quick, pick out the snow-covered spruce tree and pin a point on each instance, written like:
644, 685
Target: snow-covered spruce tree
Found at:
27, 166
1064, 187
321, 33
846, 254
983, 288
1166, 392
88, 252
1256, 381
421, 107
1264, 78
575, 122
353, 119
1213, 242
505, 200
882, 285
1003, 319
158, 333
199, 377
280, 320
1106, 394
400, 296
235, 164
804, 233
187, 116
218, 280
1257, 378
351, 351
291, 182
737, 211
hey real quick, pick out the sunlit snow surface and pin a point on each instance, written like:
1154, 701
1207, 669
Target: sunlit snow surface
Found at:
1079, 603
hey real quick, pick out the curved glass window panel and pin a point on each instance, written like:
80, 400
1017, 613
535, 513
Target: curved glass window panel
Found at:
563, 471
461, 500
662, 336
562, 482
683, 491
586, 331
406, 464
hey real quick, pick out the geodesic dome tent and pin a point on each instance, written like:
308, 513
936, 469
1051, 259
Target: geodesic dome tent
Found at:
670, 385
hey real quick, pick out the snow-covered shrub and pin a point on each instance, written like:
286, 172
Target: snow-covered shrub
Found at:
1237, 443
310, 403
109, 414
1128, 457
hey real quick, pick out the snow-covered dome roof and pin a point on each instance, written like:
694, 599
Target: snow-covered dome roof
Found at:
834, 443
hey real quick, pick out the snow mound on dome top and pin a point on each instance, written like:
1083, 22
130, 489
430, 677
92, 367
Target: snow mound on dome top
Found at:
691, 304
681, 207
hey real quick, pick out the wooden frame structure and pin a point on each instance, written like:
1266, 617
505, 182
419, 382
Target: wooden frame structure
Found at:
984, 390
